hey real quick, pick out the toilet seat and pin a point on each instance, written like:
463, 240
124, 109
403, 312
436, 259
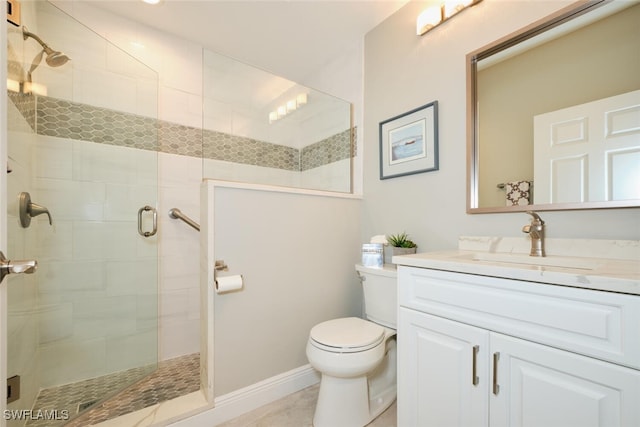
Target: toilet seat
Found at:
346, 335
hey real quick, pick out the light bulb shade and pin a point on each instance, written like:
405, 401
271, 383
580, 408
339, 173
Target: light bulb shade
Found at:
301, 99
13, 85
428, 19
435, 15
288, 107
451, 7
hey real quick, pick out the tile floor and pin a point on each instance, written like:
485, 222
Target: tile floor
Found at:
167, 382
296, 410
173, 378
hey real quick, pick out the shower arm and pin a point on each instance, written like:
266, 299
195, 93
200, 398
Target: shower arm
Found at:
26, 34
54, 58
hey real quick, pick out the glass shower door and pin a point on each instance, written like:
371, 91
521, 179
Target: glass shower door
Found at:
83, 143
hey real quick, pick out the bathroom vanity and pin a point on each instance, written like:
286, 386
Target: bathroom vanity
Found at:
489, 338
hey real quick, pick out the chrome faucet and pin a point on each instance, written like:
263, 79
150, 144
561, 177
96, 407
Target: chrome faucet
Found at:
536, 231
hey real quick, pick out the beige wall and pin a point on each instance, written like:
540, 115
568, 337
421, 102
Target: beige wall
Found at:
404, 71
297, 254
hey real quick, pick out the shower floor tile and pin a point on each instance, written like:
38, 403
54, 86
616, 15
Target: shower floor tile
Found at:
173, 378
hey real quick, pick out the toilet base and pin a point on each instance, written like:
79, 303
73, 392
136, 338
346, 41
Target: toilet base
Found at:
355, 402
345, 402
381, 403
342, 402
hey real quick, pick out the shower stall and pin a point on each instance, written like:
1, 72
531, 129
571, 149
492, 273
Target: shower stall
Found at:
82, 192
84, 144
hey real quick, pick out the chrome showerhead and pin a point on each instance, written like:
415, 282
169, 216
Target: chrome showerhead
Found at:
54, 58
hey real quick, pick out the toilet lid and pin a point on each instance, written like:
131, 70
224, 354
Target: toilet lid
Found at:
347, 334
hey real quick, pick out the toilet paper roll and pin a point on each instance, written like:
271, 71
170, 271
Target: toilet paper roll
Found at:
229, 283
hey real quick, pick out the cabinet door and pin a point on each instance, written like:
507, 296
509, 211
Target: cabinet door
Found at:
436, 382
543, 386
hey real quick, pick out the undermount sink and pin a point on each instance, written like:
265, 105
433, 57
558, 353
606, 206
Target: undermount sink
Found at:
550, 261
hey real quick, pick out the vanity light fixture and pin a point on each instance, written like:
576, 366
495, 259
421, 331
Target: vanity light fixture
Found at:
291, 105
288, 107
436, 15
152, 1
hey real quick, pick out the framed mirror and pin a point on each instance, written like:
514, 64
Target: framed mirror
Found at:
553, 113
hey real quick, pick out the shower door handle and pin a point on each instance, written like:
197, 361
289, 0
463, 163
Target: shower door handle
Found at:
154, 229
16, 267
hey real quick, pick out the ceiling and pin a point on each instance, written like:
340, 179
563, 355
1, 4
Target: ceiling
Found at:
292, 38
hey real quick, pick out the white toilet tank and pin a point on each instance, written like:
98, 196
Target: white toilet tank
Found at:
380, 294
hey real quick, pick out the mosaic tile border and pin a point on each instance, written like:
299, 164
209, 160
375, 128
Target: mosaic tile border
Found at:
179, 139
65, 119
237, 149
173, 378
26, 105
335, 148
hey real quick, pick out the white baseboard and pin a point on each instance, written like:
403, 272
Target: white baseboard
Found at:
241, 401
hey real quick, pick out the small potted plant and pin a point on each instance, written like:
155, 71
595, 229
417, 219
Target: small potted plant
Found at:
399, 244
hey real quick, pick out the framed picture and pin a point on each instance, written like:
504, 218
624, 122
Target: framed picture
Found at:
409, 142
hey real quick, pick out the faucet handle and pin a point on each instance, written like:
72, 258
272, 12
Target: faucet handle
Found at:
536, 217
27, 210
35, 210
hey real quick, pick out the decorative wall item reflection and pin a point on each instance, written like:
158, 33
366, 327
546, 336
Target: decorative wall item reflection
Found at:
409, 142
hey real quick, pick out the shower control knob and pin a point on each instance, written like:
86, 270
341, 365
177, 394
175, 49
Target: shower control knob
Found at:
16, 267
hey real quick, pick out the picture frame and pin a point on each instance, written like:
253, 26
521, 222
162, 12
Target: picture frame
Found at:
409, 142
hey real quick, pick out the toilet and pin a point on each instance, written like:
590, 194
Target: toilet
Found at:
357, 358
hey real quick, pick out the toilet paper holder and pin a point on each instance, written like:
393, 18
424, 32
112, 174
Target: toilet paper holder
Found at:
220, 265
226, 284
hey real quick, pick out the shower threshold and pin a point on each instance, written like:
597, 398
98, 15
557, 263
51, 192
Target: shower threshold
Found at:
173, 378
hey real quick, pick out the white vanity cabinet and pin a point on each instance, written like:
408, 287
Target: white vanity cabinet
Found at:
488, 351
